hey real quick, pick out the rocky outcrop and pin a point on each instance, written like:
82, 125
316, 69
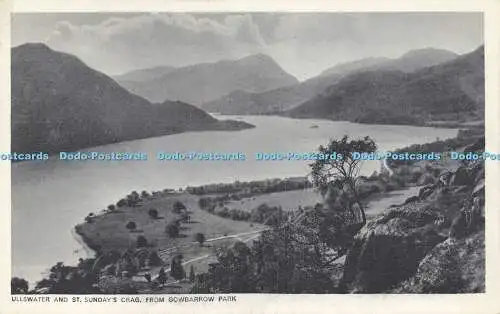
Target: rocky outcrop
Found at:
432, 243
453, 266
388, 249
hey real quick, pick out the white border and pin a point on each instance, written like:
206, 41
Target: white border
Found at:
481, 303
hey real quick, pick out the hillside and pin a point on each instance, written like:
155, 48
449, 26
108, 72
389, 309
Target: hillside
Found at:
144, 74
408, 62
451, 91
276, 100
282, 99
205, 82
60, 104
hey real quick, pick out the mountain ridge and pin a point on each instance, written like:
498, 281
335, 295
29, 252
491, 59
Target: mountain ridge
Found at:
61, 104
254, 73
450, 91
283, 99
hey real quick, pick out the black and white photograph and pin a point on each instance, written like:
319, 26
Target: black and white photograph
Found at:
202, 153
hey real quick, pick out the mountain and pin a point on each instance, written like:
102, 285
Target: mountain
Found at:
144, 74
346, 68
450, 91
282, 99
60, 104
273, 101
414, 60
408, 62
200, 83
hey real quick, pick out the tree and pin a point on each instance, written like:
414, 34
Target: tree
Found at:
121, 202
153, 213
192, 275
142, 241
233, 272
111, 207
200, 238
64, 279
89, 218
131, 225
176, 269
342, 172
172, 229
296, 257
204, 202
178, 207
162, 276
133, 198
154, 259
18, 286
144, 194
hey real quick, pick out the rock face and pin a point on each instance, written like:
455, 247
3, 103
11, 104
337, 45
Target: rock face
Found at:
433, 244
390, 247
453, 266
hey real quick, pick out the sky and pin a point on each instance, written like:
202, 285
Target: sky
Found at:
303, 44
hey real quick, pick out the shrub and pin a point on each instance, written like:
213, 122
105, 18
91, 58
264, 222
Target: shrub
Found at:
204, 202
142, 241
111, 207
18, 286
178, 207
176, 269
153, 213
121, 202
200, 238
131, 225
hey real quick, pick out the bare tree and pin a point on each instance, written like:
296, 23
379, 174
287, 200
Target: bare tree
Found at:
337, 167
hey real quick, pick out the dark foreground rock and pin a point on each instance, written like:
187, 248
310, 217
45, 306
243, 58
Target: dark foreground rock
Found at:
389, 248
453, 266
434, 243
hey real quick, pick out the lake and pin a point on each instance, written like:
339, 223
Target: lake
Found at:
50, 197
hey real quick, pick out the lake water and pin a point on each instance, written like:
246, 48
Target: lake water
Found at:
50, 197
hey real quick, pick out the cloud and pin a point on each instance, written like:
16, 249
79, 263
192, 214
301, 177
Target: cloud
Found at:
120, 44
317, 27
304, 44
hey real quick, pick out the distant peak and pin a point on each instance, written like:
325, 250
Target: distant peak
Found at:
426, 51
259, 57
34, 46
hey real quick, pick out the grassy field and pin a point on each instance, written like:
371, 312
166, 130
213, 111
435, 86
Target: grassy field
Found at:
109, 231
288, 200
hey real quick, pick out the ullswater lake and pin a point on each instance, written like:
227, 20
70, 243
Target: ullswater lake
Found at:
50, 197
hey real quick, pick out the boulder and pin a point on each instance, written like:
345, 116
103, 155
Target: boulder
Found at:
390, 247
461, 177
